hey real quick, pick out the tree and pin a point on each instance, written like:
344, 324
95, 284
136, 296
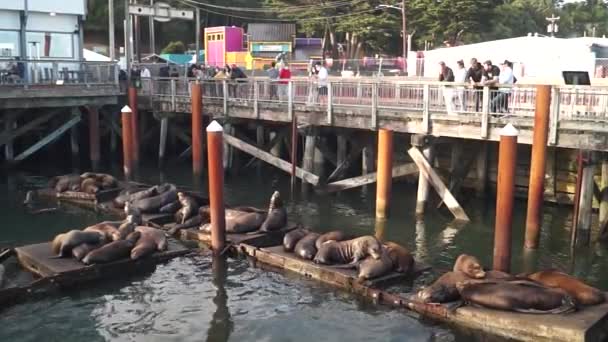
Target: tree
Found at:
580, 18
174, 47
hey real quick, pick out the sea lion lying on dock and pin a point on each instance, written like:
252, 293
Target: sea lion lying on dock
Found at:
581, 292
403, 261
113, 251
305, 247
470, 266
89, 186
291, 239
74, 238
167, 193
126, 228
237, 221
371, 268
107, 228
276, 218
150, 241
104, 180
336, 235
517, 295
189, 207
443, 290
67, 182
133, 212
170, 208
130, 195
80, 251
348, 252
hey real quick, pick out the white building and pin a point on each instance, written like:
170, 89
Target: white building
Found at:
536, 59
42, 29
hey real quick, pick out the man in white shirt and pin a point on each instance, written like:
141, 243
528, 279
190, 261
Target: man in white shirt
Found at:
322, 75
460, 76
500, 103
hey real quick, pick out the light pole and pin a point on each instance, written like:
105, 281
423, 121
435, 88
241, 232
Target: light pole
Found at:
552, 27
404, 28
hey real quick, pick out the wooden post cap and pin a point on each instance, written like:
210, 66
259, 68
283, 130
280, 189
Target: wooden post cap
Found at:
126, 109
509, 131
214, 126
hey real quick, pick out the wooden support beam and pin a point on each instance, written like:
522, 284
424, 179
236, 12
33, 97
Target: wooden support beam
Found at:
162, 146
586, 205
94, 137
370, 178
12, 134
346, 162
9, 152
341, 148
459, 173
48, 139
269, 158
433, 178
482, 169
328, 154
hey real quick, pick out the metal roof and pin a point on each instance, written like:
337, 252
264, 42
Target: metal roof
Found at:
271, 32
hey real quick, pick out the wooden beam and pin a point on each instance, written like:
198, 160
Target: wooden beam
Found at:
433, 178
269, 158
398, 171
343, 167
4, 138
48, 139
328, 154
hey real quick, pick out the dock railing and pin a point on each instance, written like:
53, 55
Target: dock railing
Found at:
25, 73
426, 99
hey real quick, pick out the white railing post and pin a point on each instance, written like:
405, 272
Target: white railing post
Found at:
374, 125
256, 96
225, 91
329, 103
290, 99
359, 91
426, 113
173, 93
554, 115
485, 113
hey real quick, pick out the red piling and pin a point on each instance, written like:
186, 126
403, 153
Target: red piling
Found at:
134, 124
127, 141
384, 173
94, 137
536, 188
215, 154
197, 129
507, 160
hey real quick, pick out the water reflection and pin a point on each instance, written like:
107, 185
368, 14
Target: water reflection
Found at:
221, 323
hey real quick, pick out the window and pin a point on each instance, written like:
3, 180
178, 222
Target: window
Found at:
9, 43
46, 44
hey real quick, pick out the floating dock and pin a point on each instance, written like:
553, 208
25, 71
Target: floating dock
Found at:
257, 239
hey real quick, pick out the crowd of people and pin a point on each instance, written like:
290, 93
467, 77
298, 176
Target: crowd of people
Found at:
479, 75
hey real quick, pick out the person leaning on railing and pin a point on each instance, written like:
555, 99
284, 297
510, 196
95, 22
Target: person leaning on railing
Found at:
500, 103
474, 76
273, 76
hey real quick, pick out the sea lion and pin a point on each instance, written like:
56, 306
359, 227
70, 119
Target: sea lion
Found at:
518, 295
154, 203
83, 249
170, 208
107, 228
291, 239
74, 238
403, 261
371, 268
335, 235
131, 195
349, 252
191, 222
56, 244
125, 229
107, 181
189, 207
277, 214
132, 211
442, 290
89, 186
156, 234
470, 266
581, 292
68, 182
305, 247
238, 222
113, 251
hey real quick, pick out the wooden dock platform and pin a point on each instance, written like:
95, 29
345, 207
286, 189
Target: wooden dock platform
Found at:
257, 239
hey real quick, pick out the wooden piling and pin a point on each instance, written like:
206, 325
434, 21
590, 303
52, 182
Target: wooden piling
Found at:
507, 162
308, 158
481, 170
9, 152
215, 146
423, 184
385, 179
94, 138
604, 192
197, 128
536, 186
162, 145
134, 124
577, 198
294, 150
75, 147
127, 141
586, 203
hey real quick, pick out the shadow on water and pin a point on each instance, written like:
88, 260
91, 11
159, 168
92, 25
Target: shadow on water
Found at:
193, 299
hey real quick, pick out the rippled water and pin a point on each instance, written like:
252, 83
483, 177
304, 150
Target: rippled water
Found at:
195, 299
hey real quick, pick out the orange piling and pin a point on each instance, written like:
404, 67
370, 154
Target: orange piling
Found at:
127, 141
385, 168
94, 137
197, 129
537, 166
215, 154
134, 124
507, 160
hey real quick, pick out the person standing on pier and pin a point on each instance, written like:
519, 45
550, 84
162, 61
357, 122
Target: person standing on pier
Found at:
273, 76
500, 103
322, 75
447, 75
474, 76
284, 76
491, 74
460, 76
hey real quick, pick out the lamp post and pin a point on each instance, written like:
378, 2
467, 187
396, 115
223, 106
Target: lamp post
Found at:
552, 27
404, 28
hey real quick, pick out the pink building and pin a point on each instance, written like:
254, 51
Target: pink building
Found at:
224, 45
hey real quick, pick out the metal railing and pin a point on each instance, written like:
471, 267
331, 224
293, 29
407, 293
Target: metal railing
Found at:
57, 72
427, 99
